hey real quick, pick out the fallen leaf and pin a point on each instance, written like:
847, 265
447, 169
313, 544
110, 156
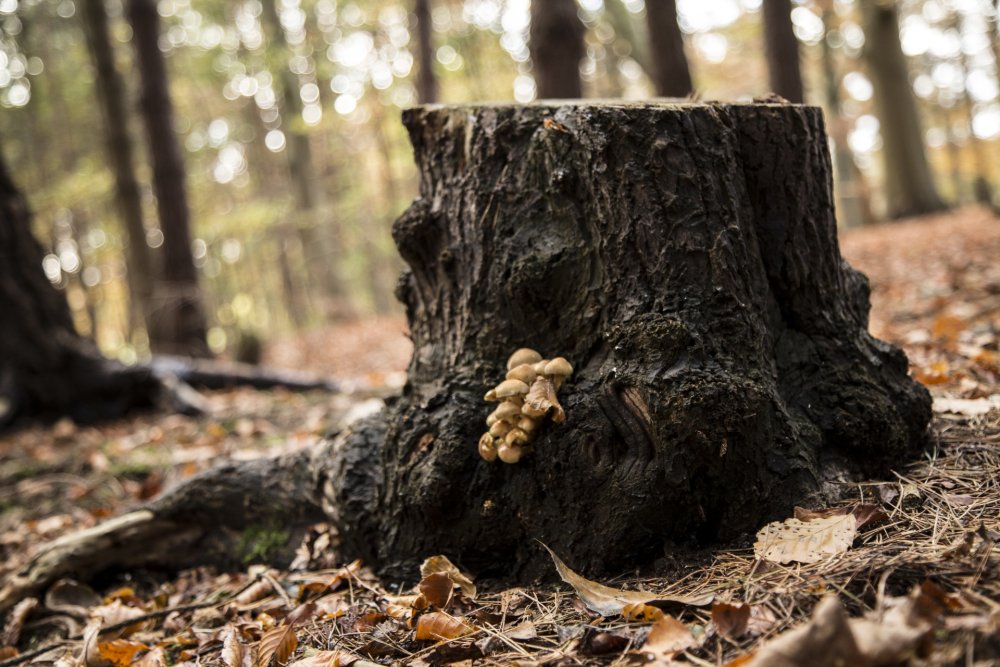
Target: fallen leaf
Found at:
15, 621
668, 637
326, 659
641, 612
69, 597
524, 632
438, 625
731, 620
542, 397
234, 652
439, 564
115, 613
301, 614
608, 601
867, 515
154, 657
601, 642
120, 652
435, 590
969, 407
805, 541
277, 644
7, 652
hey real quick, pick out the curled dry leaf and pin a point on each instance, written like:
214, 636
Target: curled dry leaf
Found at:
731, 620
436, 564
435, 590
608, 601
437, 626
234, 652
542, 398
641, 612
120, 652
326, 659
154, 657
277, 644
805, 541
668, 637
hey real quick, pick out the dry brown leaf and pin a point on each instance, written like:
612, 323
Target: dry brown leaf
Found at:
15, 621
438, 625
326, 659
435, 590
234, 652
969, 407
668, 637
7, 652
608, 601
115, 613
439, 564
277, 644
120, 652
523, 632
731, 620
542, 397
805, 541
154, 657
301, 614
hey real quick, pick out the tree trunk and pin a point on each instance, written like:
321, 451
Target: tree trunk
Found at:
179, 326
556, 43
670, 66
46, 368
110, 91
782, 49
909, 185
685, 260
427, 85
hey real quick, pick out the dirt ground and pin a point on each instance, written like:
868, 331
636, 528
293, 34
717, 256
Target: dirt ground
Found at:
920, 578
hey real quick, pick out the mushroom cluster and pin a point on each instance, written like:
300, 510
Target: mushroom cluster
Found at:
526, 397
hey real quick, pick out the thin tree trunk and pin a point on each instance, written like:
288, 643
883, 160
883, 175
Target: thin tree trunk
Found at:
782, 49
982, 189
180, 325
853, 207
556, 43
909, 185
110, 92
427, 84
672, 76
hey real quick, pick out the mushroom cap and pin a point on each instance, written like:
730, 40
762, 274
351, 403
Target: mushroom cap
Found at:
499, 429
487, 448
559, 367
524, 355
491, 395
506, 411
527, 424
539, 366
509, 388
516, 436
532, 411
509, 453
525, 373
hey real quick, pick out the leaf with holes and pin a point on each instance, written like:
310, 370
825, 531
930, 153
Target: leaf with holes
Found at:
794, 540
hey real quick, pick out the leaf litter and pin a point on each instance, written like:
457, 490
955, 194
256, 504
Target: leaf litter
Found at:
919, 580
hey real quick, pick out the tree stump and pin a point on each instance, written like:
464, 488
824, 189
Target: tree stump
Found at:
684, 258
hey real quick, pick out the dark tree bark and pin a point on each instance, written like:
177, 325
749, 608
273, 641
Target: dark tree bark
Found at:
556, 43
782, 49
179, 325
110, 91
670, 66
909, 185
46, 368
685, 260
427, 84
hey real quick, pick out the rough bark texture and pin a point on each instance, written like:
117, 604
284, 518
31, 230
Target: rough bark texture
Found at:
179, 319
670, 66
685, 260
782, 49
556, 43
909, 185
110, 91
427, 84
46, 369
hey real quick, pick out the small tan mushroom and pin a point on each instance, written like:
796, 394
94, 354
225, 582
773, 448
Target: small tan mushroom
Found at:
539, 366
509, 453
487, 448
500, 428
525, 355
506, 411
528, 425
525, 373
511, 390
491, 419
516, 436
558, 369
491, 396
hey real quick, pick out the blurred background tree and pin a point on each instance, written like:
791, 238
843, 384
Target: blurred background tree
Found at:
294, 164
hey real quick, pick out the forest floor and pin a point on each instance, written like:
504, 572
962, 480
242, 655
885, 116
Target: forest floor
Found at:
925, 573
